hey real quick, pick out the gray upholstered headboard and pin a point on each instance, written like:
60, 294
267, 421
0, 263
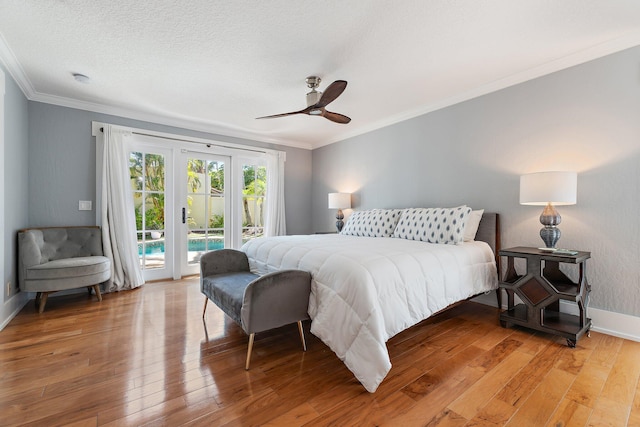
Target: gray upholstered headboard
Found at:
489, 231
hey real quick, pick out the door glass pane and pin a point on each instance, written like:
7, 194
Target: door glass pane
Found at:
205, 207
147, 175
135, 170
154, 172
196, 217
253, 196
154, 212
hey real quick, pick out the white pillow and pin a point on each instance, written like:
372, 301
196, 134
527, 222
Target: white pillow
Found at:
471, 227
433, 225
372, 223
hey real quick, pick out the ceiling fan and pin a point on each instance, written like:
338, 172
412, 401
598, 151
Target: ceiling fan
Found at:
316, 101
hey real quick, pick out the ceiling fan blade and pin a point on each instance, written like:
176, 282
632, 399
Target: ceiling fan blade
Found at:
281, 115
331, 93
305, 111
336, 117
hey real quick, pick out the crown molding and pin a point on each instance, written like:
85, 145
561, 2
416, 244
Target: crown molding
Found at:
589, 54
594, 52
14, 69
18, 74
217, 130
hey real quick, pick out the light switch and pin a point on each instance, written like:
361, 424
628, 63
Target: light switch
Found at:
84, 205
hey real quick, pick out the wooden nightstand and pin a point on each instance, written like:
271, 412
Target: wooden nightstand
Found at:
541, 288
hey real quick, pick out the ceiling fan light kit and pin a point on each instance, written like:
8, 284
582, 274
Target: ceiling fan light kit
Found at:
317, 101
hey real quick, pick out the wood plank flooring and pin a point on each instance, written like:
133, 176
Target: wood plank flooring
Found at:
145, 357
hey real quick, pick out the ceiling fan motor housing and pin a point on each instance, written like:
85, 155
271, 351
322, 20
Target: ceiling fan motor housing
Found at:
313, 97
313, 81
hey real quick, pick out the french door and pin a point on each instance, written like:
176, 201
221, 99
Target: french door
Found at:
187, 203
151, 170
205, 208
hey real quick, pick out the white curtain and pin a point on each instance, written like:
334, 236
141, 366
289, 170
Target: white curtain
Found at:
118, 219
275, 224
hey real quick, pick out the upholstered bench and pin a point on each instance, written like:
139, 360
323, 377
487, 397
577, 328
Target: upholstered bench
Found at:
256, 303
61, 258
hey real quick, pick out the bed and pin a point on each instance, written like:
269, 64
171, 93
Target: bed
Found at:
367, 289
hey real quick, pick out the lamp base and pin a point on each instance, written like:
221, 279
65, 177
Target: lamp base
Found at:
550, 235
339, 222
550, 218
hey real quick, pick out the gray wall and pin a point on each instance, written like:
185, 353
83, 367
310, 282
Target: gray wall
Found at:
15, 170
62, 166
585, 118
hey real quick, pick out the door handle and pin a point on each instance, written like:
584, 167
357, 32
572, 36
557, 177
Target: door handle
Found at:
184, 216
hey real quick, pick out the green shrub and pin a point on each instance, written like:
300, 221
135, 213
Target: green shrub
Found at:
216, 221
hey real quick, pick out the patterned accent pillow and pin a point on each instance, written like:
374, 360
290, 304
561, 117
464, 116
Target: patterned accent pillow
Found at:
372, 223
433, 225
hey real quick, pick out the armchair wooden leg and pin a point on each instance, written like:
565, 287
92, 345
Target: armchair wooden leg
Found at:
246, 365
96, 289
304, 344
43, 301
204, 310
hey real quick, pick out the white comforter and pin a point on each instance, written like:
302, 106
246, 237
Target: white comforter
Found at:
367, 289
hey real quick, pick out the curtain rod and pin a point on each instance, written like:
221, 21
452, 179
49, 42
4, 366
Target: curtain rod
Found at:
208, 144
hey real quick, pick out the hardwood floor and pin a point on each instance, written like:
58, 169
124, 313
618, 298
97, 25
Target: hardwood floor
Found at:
144, 357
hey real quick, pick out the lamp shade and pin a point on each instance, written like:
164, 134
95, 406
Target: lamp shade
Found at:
558, 188
339, 200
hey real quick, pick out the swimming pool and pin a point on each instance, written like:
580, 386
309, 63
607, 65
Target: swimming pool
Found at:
155, 247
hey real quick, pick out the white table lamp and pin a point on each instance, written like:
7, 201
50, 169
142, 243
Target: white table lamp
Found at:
339, 201
548, 189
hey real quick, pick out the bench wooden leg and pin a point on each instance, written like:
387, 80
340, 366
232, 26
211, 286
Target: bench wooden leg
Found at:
96, 289
304, 344
204, 310
43, 301
246, 365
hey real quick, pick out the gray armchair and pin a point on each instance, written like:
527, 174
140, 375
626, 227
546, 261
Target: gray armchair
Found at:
256, 303
60, 258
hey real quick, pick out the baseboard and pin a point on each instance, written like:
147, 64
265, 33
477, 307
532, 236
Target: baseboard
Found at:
487, 299
616, 324
603, 321
12, 307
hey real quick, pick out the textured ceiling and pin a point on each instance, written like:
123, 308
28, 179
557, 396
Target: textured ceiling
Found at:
216, 65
